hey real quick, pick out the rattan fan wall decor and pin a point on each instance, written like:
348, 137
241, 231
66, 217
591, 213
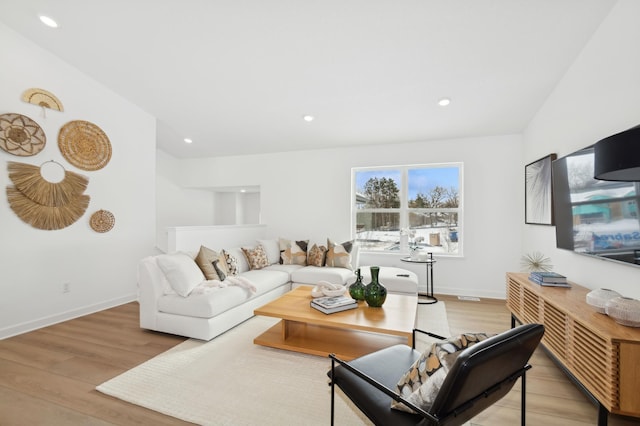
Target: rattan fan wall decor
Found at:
102, 221
46, 217
20, 135
28, 180
84, 145
43, 204
42, 98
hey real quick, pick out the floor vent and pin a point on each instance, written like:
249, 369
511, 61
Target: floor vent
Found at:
469, 298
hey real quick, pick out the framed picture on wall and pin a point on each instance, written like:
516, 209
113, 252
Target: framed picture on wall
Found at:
538, 200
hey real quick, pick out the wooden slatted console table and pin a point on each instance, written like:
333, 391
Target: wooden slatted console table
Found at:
601, 356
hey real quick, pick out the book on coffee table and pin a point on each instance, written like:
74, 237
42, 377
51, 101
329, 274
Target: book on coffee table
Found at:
333, 301
335, 309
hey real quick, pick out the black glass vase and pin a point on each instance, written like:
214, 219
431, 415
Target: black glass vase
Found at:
356, 290
375, 293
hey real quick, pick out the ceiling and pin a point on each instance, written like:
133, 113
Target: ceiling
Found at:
237, 76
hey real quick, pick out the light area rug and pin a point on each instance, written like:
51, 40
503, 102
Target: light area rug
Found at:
231, 381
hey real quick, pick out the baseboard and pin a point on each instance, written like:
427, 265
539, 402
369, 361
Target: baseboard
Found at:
481, 293
25, 327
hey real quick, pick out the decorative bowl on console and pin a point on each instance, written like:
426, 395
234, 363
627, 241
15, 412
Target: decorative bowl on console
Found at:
624, 310
598, 298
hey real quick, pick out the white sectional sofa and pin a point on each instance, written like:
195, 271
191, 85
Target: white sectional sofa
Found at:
207, 314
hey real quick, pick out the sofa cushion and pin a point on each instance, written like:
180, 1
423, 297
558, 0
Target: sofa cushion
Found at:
314, 274
339, 255
181, 271
317, 255
156, 277
266, 279
218, 300
256, 257
272, 248
393, 279
288, 269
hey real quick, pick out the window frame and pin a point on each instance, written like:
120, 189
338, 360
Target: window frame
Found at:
404, 210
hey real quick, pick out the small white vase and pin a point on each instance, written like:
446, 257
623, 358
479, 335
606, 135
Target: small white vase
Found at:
598, 298
624, 310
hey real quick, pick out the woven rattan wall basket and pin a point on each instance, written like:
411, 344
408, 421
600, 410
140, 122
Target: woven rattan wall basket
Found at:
84, 145
20, 135
102, 221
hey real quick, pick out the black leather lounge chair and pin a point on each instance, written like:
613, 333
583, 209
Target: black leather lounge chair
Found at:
481, 375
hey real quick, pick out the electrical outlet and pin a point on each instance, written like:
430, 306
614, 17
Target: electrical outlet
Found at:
469, 298
66, 287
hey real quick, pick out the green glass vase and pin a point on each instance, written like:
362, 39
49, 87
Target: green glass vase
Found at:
375, 293
356, 290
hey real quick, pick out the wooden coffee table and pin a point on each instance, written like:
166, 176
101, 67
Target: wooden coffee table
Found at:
348, 334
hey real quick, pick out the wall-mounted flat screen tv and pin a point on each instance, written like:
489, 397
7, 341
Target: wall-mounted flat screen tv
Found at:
594, 217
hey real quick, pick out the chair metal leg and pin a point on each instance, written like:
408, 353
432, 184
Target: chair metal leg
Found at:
333, 366
523, 403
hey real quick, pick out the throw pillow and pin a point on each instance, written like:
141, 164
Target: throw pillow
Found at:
282, 243
181, 271
317, 255
256, 257
205, 259
420, 385
230, 263
339, 255
219, 266
272, 248
296, 253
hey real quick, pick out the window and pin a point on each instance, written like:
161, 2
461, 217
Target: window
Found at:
402, 207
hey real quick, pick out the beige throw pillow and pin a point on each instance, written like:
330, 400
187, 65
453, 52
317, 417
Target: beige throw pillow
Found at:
272, 248
317, 255
295, 253
205, 259
339, 255
256, 256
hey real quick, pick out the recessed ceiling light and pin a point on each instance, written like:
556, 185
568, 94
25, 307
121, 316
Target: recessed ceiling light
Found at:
187, 140
243, 190
444, 101
48, 21
308, 118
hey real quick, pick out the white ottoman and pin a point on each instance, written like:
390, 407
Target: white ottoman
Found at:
396, 280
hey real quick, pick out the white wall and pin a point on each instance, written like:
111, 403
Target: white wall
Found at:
250, 202
101, 268
307, 194
598, 96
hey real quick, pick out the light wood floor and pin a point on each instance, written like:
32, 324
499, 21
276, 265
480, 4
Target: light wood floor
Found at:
47, 377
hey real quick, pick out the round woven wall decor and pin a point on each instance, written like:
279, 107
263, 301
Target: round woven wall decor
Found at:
84, 145
20, 135
102, 221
